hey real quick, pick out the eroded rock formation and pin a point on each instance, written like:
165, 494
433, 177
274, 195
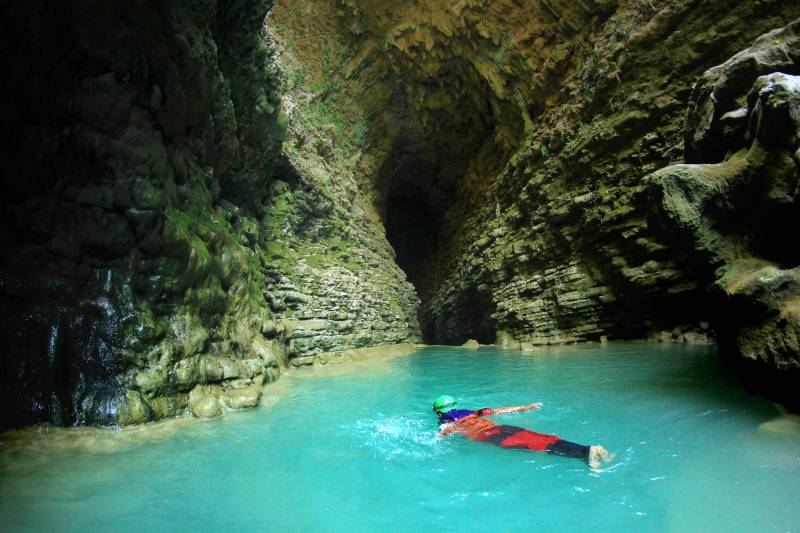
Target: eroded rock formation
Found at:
144, 188
128, 274
735, 210
197, 196
517, 137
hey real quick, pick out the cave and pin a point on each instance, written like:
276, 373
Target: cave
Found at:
595, 201
259, 185
413, 222
411, 227
416, 200
422, 187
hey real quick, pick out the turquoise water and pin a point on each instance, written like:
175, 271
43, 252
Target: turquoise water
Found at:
353, 449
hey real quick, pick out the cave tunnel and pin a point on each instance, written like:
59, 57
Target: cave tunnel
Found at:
411, 227
420, 189
416, 196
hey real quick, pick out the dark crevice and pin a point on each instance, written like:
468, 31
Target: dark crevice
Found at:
414, 218
411, 227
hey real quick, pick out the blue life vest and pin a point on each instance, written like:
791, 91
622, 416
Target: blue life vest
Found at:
454, 414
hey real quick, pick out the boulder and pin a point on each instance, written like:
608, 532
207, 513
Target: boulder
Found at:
203, 402
738, 220
242, 393
134, 410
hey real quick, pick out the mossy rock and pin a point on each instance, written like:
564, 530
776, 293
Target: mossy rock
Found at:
204, 402
134, 410
171, 405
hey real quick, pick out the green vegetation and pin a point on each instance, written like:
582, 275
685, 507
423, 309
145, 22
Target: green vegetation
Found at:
299, 77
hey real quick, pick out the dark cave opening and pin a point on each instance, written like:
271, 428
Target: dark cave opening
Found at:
415, 219
416, 195
425, 187
411, 227
475, 316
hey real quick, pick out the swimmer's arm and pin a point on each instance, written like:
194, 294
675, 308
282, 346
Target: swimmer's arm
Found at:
513, 409
446, 429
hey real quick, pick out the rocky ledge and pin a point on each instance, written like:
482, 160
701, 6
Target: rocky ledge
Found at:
734, 210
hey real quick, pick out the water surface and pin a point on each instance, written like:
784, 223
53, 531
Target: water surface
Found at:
354, 449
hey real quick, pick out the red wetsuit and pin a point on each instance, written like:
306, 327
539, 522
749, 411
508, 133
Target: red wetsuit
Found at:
472, 425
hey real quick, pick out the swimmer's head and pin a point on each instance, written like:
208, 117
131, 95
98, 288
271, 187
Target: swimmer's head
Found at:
443, 403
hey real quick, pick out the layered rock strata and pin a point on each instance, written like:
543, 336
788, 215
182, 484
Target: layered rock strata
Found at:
547, 228
192, 206
145, 249
523, 133
566, 252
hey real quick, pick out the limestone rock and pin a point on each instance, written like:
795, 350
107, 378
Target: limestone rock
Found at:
135, 410
737, 217
242, 393
183, 227
169, 405
204, 402
721, 90
128, 279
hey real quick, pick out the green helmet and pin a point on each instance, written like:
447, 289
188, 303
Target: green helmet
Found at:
444, 403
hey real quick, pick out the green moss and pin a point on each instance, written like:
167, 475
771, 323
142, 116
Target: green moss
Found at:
276, 250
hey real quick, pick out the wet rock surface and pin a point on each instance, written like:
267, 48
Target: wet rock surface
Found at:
142, 170
198, 196
739, 218
127, 275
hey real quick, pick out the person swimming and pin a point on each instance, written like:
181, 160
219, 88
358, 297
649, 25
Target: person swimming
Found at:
474, 426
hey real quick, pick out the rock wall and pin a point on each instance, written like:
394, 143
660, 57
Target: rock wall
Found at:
198, 195
736, 209
146, 266
131, 283
331, 274
527, 131
564, 251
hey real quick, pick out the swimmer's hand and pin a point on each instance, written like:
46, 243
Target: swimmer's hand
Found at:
445, 430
